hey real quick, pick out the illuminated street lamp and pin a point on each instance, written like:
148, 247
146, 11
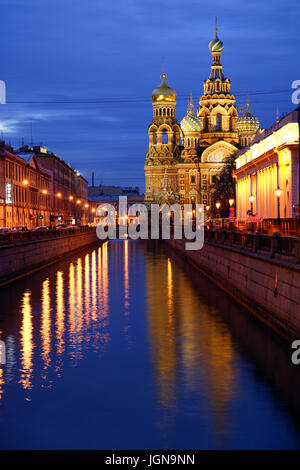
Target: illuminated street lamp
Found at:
86, 206
58, 195
218, 205
78, 201
93, 211
45, 191
231, 202
25, 182
251, 199
71, 198
278, 192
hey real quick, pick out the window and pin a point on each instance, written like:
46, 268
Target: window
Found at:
219, 122
193, 179
164, 137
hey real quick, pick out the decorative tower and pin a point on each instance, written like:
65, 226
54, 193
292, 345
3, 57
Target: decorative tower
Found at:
164, 142
247, 125
191, 127
217, 109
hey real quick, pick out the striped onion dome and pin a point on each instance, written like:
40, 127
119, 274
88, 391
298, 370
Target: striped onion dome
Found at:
190, 122
248, 123
216, 45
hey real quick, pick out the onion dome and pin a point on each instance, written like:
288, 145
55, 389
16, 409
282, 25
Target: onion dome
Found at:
247, 122
216, 45
163, 92
191, 123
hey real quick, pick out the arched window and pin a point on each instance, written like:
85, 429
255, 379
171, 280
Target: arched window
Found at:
164, 137
219, 122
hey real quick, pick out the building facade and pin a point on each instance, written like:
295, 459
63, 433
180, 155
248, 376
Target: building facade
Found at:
24, 190
68, 189
267, 172
183, 160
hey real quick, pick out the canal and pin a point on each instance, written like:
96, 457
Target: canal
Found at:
123, 346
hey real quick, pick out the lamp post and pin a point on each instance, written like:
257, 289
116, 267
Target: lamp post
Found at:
218, 205
25, 183
278, 194
231, 212
251, 199
45, 193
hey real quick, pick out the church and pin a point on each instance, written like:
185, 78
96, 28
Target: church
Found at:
184, 159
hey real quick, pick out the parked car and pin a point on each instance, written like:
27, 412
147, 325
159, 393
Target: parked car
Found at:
60, 226
20, 228
42, 227
5, 230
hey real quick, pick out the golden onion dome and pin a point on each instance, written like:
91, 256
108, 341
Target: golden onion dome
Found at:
163, 92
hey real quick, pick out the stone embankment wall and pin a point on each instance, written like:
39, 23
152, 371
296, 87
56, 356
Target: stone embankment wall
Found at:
19, 258
267, 286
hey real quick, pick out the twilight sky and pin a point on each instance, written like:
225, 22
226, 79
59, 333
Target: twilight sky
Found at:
83, 71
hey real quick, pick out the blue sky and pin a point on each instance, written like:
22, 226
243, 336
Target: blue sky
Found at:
81, 51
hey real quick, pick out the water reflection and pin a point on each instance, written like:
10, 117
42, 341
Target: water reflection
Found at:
26, 342
181, 348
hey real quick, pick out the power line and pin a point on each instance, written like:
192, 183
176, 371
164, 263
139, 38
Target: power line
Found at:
129, 100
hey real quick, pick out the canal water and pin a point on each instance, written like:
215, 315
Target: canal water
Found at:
123, 346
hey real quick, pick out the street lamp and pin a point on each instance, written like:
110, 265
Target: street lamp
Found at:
26, 183
218, 205
71, 198
231, 202
58, 195
251, 199
278, 192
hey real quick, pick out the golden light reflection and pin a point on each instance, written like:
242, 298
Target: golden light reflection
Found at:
60, 312
79, 302
2, 382
105, 280
103, 294
126, 278
46, 324
170, 293
94, 287
87, 298
26, 342
185, 334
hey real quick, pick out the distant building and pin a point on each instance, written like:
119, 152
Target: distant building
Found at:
96, 201
268, 170
24, 190
68, 189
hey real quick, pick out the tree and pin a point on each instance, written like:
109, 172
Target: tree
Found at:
223, 188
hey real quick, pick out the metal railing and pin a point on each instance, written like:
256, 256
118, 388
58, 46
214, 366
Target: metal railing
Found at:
273, 245
11, 238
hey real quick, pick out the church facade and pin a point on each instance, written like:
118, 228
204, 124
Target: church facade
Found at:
183, 160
